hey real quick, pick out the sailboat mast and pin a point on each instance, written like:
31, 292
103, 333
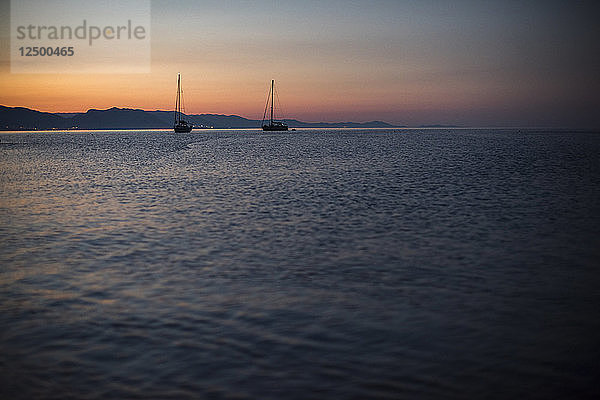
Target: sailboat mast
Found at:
272, 82
178, 113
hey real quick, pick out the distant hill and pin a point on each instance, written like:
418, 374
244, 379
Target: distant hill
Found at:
15, 118
117, 118
20, 118
438, 126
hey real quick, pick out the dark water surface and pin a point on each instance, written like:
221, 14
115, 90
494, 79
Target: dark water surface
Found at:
431, 264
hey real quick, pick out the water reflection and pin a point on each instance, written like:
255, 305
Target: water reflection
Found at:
337, 264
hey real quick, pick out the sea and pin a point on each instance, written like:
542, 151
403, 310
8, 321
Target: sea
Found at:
310, 264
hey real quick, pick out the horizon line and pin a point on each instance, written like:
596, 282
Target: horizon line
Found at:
185, 113
392, 125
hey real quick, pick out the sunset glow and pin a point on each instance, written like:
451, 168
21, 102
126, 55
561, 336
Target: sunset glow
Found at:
466, 63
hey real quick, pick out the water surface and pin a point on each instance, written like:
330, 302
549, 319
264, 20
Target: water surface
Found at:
429, 264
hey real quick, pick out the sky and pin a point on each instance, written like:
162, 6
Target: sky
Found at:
468, 63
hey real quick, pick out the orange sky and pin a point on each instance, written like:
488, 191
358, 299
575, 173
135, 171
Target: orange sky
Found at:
401, 62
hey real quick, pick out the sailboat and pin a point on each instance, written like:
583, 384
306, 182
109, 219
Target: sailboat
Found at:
273, 125
180, 125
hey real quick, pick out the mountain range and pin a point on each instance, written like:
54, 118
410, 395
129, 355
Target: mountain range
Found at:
20, 118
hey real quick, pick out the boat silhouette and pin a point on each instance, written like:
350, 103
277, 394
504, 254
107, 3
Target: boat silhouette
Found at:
180, 125
273, 124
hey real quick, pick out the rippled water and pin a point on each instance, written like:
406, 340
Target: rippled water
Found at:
314, 264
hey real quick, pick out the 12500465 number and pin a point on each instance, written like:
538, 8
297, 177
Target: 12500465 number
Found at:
46, 51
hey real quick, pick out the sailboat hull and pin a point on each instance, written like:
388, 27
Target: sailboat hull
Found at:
183, 128
274, 127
